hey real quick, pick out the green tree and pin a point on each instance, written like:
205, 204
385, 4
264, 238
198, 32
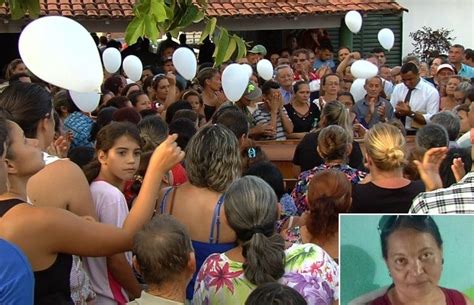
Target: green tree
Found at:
154, 18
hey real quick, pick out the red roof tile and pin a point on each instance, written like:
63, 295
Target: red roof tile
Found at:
117, 9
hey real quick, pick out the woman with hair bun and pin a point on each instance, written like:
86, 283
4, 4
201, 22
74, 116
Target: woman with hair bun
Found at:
260, 257
386, 190
329, 194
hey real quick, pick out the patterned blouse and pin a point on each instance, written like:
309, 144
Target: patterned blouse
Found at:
301, 188
308, 269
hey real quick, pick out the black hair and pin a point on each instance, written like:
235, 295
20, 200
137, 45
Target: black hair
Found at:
173, 108
185, 129
325, 77
148, 112
112, 84
16, 77
233, 119
27, 104
270, 174
269, 85
409, 67
348, 94
186, 114
118, 102
133, 96
445, 171
378, 50
275, 294
431, 135
81, 155
104, 117
127, 87
3, 131
298, 84
421, 223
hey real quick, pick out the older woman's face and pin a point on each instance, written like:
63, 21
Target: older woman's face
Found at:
414, 261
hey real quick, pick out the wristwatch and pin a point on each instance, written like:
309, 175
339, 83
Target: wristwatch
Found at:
412, 115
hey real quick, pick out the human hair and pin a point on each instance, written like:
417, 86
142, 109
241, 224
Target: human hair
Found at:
191, 92
162, 249
386, 146
233, 119
469, 54
333, 141
297, 85
464, 87
251, 211
329, 194
275, 294
378, 50
270, 174
458, 46
147, 83
126, 114
269, 85
118, 102
325, 77
335, 113
205, 74
81, 155
153, 131
134, 95
470, 95
15, 77
449, 121
411, 58
148, 112
367, 80
431, 135
462, 107
27, 105
106, 139
343, 48
104, 117
60, 99
127, 87
348, 94
251, 154
175, 107
186, 114
11, 67
3, 131
157, 79
420, 223
212, 158
185, 129
301, 51
409, 67
113, 84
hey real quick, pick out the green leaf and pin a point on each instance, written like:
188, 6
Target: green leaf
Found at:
158, 10
175, 32
199, 17
242, 48
188, 17
151, 30
209, 29
230, 49
203, 4
16, 9
135, 29
33, 8
221, 47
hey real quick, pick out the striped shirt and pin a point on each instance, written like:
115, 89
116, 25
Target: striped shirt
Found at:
262, 116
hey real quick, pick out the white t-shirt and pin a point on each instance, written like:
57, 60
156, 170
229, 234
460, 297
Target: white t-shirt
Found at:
111, 208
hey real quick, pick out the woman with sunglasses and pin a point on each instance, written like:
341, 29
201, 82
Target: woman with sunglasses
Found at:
412, 248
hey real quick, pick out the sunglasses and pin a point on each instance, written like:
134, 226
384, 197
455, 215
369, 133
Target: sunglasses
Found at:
387, 222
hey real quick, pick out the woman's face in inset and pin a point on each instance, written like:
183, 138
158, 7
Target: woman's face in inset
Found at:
414, 261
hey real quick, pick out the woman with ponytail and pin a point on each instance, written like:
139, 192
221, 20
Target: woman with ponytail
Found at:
329, 194
386, 190
251, 210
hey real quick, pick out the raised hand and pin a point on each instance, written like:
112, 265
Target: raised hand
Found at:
429, 167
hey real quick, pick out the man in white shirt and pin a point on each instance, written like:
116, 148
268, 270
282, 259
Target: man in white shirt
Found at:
414, 100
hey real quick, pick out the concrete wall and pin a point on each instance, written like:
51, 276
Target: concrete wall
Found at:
450, 14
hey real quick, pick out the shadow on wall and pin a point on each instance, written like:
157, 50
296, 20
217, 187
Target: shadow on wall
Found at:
357, 273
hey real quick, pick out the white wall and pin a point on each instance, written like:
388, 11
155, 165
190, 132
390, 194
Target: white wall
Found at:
456, 15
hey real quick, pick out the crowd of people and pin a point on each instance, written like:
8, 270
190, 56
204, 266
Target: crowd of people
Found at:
162, 195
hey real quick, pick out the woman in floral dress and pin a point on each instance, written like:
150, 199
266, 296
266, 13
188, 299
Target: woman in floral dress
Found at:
260, 257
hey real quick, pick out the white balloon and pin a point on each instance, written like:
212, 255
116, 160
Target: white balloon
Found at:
112, 59
386, 38
234, 81
265, 69
364, 69
61, 51
248, 69
87, 101
185, 62
357, 89
133, 67
353, 21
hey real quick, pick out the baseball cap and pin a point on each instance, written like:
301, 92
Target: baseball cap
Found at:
252, 92
259, 49
444, 66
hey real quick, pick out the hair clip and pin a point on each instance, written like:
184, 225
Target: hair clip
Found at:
251, 152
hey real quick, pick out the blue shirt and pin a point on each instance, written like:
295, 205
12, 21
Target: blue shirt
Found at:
81, 126
466, 71
16, 276
319, 63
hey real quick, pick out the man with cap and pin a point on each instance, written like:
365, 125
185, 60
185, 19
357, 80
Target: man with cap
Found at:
252, 94
256, 53
443, 73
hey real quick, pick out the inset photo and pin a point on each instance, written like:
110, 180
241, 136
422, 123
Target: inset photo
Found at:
406, 259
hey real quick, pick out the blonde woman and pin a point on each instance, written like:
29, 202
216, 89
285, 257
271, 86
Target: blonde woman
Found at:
386, 191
